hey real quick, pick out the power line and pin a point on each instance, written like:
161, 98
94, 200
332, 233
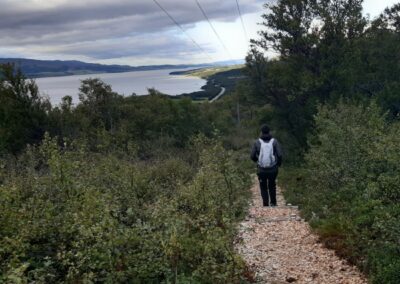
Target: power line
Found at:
182, 29
241, 19
212, 27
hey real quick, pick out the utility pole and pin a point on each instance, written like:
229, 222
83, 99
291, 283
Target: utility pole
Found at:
238, 112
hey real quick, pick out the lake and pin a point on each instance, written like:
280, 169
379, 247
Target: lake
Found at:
123, 83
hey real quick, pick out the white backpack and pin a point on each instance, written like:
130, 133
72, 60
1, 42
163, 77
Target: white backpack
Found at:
266, 158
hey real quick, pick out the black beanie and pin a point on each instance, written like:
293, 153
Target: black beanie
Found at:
265, 129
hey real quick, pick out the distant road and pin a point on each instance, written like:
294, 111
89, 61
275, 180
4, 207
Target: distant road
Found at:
219, 95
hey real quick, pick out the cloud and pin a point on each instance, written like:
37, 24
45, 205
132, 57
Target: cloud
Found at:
156, 45
104, 29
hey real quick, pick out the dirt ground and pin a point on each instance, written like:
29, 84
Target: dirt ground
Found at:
279, 247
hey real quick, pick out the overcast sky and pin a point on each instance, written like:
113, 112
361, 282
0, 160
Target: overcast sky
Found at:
134, 32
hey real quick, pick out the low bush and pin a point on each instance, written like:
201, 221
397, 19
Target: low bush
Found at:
68, 215
349, 186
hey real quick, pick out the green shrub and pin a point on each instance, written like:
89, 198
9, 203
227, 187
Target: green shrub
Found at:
68, 215
349, 186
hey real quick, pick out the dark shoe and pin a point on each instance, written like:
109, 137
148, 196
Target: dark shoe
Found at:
265, 204
273, 205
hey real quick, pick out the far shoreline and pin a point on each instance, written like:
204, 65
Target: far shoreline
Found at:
55, 75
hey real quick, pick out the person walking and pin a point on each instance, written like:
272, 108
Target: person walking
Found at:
267, 153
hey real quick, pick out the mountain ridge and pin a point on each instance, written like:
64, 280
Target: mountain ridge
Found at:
33, 68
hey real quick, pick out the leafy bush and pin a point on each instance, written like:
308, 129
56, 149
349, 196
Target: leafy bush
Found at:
23, 117
70, 215
349, 186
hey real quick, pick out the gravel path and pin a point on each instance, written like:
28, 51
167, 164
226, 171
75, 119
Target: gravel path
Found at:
279, 247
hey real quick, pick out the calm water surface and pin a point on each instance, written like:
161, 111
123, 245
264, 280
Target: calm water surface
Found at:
123, 83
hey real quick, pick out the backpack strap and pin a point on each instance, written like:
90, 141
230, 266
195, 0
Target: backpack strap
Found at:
262, 141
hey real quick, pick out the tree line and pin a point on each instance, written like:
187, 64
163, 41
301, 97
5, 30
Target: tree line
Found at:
327, 79
116, 189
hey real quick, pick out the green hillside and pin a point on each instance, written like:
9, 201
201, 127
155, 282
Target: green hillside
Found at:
50, 68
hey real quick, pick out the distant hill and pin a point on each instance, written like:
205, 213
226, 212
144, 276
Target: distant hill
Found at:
50, 68
206, 72
217, 77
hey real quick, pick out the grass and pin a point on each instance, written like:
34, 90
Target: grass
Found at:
205, 73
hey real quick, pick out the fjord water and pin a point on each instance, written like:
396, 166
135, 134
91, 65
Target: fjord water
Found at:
123, 83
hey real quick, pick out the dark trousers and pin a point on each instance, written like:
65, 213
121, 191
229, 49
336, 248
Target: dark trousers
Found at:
268, 187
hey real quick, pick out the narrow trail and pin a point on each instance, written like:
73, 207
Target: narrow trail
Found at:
279, 247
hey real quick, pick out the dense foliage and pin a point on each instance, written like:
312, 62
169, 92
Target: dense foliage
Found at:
119, 189
70, 215
349, 187
332, 97
102, 117
327, 50
23, 117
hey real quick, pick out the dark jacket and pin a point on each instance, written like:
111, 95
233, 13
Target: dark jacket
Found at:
255, 152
